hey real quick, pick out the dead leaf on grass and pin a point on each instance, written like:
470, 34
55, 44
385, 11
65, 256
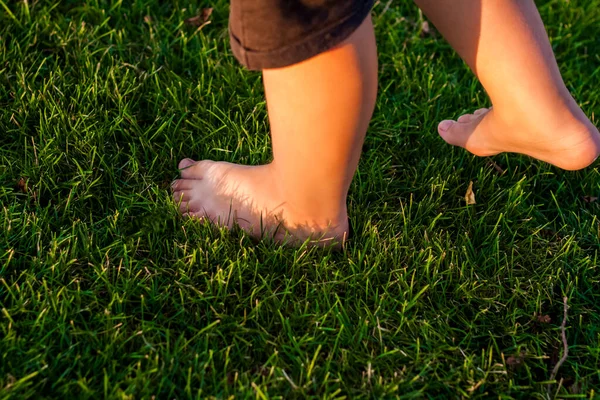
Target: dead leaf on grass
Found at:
206, 12
201, 19
22, 185
544, 319
512, 361
590, 199
425, 30
516, 361
470, 195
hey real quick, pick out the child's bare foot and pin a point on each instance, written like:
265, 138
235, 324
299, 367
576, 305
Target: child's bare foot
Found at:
251, 197
565, 139
506, 45
319, 111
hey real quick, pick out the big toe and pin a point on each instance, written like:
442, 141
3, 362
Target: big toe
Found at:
459, 132
454, 133
191, 169
186, 163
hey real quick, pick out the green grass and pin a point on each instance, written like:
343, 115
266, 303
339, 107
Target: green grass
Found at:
106, 292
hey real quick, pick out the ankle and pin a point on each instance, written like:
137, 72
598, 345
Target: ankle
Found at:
312, 204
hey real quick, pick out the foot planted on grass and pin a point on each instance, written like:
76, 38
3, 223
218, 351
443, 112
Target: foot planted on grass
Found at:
251, 197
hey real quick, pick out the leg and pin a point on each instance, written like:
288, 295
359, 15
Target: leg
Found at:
319, 111
505, 44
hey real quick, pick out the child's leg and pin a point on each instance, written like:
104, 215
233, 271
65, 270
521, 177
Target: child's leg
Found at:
319, 111
505, 44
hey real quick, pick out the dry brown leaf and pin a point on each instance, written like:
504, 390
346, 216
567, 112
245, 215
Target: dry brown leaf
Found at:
590, 199
194, 21
470, 195
206, 12
544, 319
22, 185
425, 30
512, 361
201, 19
516, 361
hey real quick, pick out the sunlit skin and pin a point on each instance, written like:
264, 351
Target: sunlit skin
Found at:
319, 111
533, 112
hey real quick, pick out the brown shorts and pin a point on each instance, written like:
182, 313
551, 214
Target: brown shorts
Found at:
277, 33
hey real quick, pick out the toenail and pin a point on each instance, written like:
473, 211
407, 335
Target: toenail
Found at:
187, 161
445, 125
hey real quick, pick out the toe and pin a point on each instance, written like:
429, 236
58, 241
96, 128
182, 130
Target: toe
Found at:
462, 134
186, 163
181, 196
445, 125
197, 170
454, 133
481, 111
197, 216
184, 207
188, 207
182, 184
192, 211
465, 118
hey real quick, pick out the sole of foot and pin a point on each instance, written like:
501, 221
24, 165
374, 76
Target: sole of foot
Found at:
249, 197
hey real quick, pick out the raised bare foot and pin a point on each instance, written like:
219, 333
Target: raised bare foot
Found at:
250, 196
566, 139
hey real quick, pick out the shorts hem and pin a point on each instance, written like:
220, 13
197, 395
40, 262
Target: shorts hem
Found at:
315, 44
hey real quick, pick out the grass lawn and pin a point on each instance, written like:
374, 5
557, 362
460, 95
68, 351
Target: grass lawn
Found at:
105, 292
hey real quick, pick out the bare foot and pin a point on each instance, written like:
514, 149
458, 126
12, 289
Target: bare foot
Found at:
250, 196
566, 139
